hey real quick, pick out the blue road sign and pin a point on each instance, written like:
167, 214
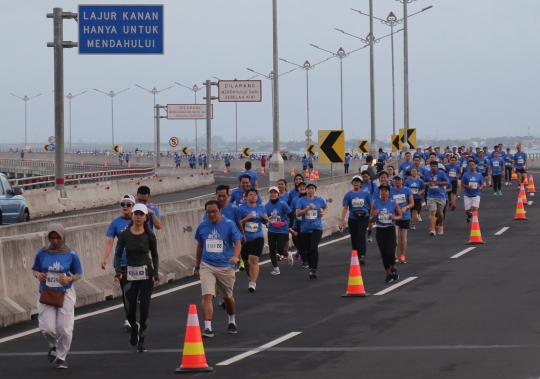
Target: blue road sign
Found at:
51, 147
121, 29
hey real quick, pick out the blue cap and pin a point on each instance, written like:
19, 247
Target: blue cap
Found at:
398, 176
311, 183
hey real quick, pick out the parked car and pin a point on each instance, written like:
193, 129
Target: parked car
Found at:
13, 207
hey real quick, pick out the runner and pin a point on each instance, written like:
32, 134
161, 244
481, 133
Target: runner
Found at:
389, 175
508, 166
293, 194
359, 205
177, 161
142, 272
403, 197
254, 178
218, 251
435, 181
239, 194
454, 174
496, 165
312, 208
232, 212
283, 194
263, 162
473, 182
296, 233
305, 162
520, 164
372, 188
253, 215
116, 227
279, 226
57, 266
154, 218
227, 162
405, 167
347, 162
385, 213
482, 164
416, 185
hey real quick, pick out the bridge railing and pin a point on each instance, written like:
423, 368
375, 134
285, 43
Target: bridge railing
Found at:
44, 164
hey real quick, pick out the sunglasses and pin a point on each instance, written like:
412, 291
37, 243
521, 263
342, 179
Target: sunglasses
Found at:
126, 205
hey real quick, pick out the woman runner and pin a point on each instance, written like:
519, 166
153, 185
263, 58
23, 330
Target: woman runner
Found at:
279, 216
296, 233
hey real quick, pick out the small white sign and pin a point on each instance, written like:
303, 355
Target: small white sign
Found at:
51, 139
187, 111
240, 91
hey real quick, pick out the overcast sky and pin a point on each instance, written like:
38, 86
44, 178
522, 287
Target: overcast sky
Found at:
473, 69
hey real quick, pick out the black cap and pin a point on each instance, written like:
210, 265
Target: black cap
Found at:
384, 185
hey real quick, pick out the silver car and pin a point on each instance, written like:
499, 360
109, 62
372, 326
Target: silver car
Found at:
13, 207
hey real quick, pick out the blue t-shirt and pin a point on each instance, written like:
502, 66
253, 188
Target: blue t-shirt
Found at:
150, 218
284, 198
508, 158
227, 161
415, 185
297, 220
383, 157
385, 210
347, 159
305, 162
116, 227
520, 159
482, 164
232, 212
372, 188
253, 176
453, 171
56, 265
357, 201
417, 154
253, 227
474, 180
278, 212
406, 167
238, 197
312, 219
496, 165
293, 194
435, 191
401, 197
218, 241
463, 163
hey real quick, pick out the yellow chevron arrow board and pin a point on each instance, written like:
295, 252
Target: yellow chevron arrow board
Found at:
310, 150
396, 143
46, 147
185, 150
363, 146
117, 148
411, 138
246, 151
331, 146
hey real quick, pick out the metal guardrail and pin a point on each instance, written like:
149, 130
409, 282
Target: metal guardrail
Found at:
45, 164
84, 177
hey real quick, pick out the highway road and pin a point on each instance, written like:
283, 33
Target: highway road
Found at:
473, 316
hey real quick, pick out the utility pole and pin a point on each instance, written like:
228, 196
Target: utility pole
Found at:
209, 99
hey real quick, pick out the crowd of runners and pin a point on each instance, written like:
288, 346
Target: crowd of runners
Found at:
231, 235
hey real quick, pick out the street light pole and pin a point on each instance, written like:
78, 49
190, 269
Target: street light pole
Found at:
373, 145
25, 99
154, 92
112, 94
69, 97
194, 89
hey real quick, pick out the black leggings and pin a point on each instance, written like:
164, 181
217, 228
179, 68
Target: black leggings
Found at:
346, 169
123, 268
277, 241
132, 289
497, 182
299, 242
386, 240
507, 174
311, 243
357, 228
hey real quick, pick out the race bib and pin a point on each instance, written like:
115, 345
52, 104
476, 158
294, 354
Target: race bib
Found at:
252, 227
433, 185
274, 218
214, 246
311, 214
474, 185
520, 161
414, 191
357, 203
384, 218
464, 164
52, 279
452, 174
400, 198
137, 273
495, 164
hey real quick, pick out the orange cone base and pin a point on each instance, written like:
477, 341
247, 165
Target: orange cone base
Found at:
187, 370
356, 295
521, 218
475, 243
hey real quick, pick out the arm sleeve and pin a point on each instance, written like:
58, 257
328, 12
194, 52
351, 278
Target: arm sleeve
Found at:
291, 217
154, 254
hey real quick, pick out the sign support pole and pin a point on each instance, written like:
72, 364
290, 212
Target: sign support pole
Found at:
58, 27
158, 137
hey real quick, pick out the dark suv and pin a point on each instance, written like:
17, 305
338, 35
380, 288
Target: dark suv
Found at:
13, 207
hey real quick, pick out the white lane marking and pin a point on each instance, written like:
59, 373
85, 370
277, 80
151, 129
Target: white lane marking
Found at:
463, 252
396, 285
259, 349
502, 231
529, 203
114, 307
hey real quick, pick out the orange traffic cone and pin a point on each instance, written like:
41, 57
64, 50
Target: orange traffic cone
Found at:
525, 181
82, 163
531, 189
520, 211
476, 236
522, 194
225, 170
312, 175
514, 175
355, 288
193, 357
316, 174
292, 173
262, 171
307, 174
129, 164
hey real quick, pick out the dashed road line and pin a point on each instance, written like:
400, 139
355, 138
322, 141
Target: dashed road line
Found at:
462, 253
403, 282
502, 231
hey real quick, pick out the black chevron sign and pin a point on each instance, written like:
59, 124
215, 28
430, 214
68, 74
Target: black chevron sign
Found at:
331, 146
363, 146
185, 150
396, 146
311, 150
246, 151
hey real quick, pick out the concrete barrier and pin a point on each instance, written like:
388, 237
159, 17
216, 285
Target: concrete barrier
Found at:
176, 246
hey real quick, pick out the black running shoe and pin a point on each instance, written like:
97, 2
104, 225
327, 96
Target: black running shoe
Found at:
468, 218
362, 260
207, 333
232, 329
134, 339
395, 275
51, 357
141, 348
60, 363
388, 279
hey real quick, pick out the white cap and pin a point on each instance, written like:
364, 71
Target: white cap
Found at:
140, 207
128, 197
273, 188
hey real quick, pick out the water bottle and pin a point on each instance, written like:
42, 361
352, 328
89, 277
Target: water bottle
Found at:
340, 229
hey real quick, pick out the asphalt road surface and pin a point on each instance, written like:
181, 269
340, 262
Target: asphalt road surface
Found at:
474, 316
